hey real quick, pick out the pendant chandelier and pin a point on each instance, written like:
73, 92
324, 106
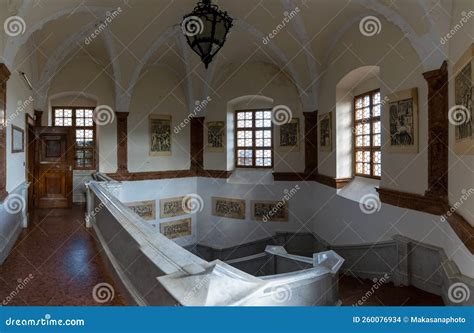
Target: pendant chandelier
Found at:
206, 29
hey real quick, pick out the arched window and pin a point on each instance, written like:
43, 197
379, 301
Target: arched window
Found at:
367, 135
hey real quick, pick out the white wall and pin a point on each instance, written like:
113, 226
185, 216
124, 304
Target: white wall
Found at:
159, 92
398, 71
19, 103
461, 167
254, 78
83, 76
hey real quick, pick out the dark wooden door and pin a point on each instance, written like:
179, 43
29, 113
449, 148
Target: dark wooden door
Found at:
55, 151
30, 160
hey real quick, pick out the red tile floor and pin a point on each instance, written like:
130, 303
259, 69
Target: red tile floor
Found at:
62, 258
65, 264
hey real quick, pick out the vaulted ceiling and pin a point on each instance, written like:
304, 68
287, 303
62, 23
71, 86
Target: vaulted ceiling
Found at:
147, 33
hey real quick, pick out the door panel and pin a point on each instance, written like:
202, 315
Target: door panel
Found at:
54, 167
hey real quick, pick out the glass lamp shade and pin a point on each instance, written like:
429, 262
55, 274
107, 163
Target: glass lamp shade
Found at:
206, 29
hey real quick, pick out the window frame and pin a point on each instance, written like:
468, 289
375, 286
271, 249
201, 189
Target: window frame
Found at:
74, 127
371, 148
254, 129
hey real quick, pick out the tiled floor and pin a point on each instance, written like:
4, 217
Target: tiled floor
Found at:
62, 258
352, 290
65, 266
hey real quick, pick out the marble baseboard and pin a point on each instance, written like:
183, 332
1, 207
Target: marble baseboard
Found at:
12, 223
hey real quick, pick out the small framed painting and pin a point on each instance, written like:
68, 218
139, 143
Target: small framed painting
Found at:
18, 140
267, 211
215, 136
228, 207
403, 117
160, 135
177, 229
290, 135
171, 207
145, 209
325, 132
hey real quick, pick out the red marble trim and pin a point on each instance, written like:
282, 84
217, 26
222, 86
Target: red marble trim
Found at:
197, 143
438, 132
431, 205
129, 176
311, 142
4, 76
122, 142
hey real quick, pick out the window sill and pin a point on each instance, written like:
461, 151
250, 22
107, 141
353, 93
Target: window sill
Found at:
252, 176
359, 187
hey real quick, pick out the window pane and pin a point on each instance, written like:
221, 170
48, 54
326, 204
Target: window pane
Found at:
376, 127
377, 170
359, 114
58, 122
366, 113
366, 101
377, 111
59, 113
358, 103
376, 98
377, 140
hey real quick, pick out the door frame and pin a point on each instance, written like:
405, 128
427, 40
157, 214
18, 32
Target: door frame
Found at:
70, 156
30, 160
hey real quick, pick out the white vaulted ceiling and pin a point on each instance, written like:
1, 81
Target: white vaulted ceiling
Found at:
147, 33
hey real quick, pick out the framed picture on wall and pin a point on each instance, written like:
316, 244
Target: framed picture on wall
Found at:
145, 209
177, 229
290, 135
462, 113
325, 132
215, 137
403, 121
160, 135
18, 140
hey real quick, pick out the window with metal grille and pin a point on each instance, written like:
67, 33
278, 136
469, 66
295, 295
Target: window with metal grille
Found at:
253, 139
82, 120
367, 135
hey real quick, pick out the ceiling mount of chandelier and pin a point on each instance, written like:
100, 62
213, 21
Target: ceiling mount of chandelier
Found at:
206, 29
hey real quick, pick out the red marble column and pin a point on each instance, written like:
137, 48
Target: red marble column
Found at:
197, 144
122, 142
438, 132
311, 142
4, 76
38, 117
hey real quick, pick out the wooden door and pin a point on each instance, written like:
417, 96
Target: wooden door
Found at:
54, 163
30, 160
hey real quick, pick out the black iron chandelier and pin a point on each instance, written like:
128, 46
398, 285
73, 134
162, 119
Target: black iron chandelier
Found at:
206, 29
